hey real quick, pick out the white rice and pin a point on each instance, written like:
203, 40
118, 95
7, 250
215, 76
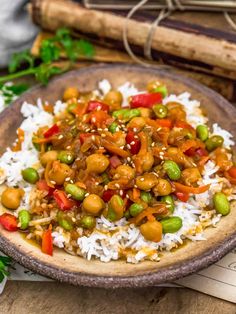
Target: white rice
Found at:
124, 239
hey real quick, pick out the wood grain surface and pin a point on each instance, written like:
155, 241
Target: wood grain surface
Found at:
41, 297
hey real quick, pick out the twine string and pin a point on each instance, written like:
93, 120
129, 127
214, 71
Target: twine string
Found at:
171, 6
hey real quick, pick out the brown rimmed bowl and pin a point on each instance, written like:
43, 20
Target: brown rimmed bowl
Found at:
173, 265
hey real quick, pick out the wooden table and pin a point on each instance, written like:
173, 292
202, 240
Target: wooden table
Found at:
52, 297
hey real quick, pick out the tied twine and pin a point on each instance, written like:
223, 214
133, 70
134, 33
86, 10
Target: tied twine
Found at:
171, 6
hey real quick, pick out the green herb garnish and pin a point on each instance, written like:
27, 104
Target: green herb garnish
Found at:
50, 50
5, 262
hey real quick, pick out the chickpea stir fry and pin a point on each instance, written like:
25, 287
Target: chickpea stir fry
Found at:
100, 158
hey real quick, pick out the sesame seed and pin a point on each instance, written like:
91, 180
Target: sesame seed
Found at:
73, 219
99, 129
135, 129
69, 195
53, 182
67, 179
153, 144
87, 194
128, 159
158, 129
103, 135
106, 129
135, 186
128, 146
117, 185
121, 192
60, 136
141, 179
121, 147
96, 183
100, 147
93, 120
105, 187
71, 181
136, 136
132, 143
68, 147
93, 137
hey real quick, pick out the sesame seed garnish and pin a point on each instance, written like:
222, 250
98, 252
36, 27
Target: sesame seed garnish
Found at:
105, 187
121, 147
135, 129
141, 179
128, 159
103, 135
100, 147
106, 129
96, 183
67, 179
53, 182
71, 181
93, 120
158, 129
60, 136
121, 192
87, 194
153, 144
68, 147
117, 185
135, 186
93, 137
132, 143
136, 136
99, 129
128, 146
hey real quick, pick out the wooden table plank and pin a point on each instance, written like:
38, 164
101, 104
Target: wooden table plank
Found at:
52, 297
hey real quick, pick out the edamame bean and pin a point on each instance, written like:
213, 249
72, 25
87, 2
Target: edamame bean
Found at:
115, 208
221, 203
30, 175
75, 192
135, 209
214, 142
64, 221
168, 199
172, 169
126, 114
146, 196
113, 127
105, 178
88, 222
160, 111
24, 219
202, 132
66, 157
171, 224
162, 90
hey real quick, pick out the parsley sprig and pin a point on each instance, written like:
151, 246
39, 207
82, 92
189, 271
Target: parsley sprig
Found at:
43, 68
5, 262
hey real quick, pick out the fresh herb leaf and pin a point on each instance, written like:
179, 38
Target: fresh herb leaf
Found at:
17, 89
49, 51
45, 71
4, 263
85, 48
19, 58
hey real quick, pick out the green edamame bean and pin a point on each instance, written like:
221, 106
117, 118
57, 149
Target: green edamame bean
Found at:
168, 199
105, 178
202, 132
135, 209
75, 192
161, 89
88, 222
66, 157
30, 175
24, 219
146, 196
64, 221
113, 127
221, 203
214, 142
171, 224
127, 214
36, 145
126, 114
172, 169
160, 111
115, 208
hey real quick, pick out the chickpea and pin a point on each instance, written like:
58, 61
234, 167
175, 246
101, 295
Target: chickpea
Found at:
152, 86
152, 230
59, 172
70, 92
114, 99
147, 161
97, 163
93, 204
137, 122
146, 181
11, 197
162, 188
190, 175
51, 155
145, 112
124, 171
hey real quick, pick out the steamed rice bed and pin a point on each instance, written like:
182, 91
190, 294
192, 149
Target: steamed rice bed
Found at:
121, 238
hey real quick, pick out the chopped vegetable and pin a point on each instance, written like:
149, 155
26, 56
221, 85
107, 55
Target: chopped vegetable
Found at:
30, 175
97, 105
145, 100
24, 219
171, 224
8, 222
66, 157
214, 142
202, 132
172, 169
47, 242
135, 209
53, 130
75, 192
221, 203
160, 111
62, 200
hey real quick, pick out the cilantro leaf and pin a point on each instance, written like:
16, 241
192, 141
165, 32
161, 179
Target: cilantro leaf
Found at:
4, 263
49, 51
85, 48
19, 58
45, 71
17, 89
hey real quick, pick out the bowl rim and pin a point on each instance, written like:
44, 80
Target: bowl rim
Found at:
167, 274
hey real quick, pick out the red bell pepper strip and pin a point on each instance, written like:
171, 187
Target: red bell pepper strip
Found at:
97, 105
190, 189
51, 131
133, 142
63, 201
107, 195
84, 136
9, 222
183, 197
99, 118
145, 100
191, 152
232, 172
115, 161
47, 242
42, 186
